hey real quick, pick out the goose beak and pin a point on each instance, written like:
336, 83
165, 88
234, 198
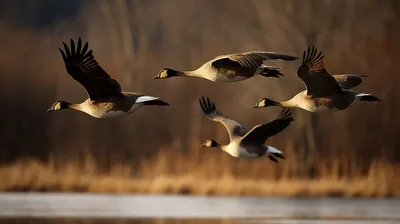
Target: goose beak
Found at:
203, 145
156, 77
256, 106
50, 109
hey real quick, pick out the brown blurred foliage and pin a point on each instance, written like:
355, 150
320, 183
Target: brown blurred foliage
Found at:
133, 40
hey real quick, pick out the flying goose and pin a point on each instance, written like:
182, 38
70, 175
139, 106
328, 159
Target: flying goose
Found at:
323, 91
232, 67
244, 143
105, 96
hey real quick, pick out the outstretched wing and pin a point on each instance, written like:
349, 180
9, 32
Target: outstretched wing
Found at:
234, 128
349, 81
252, 59
318, 81
82, 66
260, 133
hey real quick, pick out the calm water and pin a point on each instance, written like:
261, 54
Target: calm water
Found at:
85, 208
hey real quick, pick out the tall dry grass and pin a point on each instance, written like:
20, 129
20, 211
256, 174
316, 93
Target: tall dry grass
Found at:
157, 149
156, 176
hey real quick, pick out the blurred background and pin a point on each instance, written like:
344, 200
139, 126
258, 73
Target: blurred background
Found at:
157, 149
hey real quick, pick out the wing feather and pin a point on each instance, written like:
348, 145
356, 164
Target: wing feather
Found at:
318, 81
349, 81
260, 133
234, 128
252, 59
83, 67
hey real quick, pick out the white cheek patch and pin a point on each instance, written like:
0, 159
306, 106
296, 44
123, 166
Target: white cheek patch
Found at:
164, 75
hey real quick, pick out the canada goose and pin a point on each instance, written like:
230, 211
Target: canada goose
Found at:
105, 96
232, 67
322, 89
244, 143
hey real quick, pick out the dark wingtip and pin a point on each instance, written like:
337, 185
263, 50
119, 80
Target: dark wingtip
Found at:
207, 105
62, 54
202, 102
72, 47
84, 49
311, 54
286, 114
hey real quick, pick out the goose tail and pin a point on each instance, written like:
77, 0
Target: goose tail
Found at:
275, 152
273, 159
367, 97
269, 71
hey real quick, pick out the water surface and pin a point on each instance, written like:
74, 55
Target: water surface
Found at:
88, 208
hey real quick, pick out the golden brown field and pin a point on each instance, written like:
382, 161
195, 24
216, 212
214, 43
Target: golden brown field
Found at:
355, 152
336, 180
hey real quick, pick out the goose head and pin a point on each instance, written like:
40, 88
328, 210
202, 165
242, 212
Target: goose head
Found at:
166, 73
209, 143
265, 102
59, 105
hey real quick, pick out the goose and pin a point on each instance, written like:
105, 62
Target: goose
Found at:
105, 98
232, 67
244, 143
323, 91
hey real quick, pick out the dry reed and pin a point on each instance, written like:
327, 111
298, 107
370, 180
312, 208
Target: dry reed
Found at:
380, 180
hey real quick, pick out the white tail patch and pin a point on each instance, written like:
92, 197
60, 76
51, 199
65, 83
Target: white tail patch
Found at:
269, 66
273, 150
145, 99
363, 94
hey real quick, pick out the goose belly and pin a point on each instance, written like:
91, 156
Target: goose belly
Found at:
311, 105
225, 78
244, 154
316, 104
319, 108
336, 102
115, 112
236, 150
111, 114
